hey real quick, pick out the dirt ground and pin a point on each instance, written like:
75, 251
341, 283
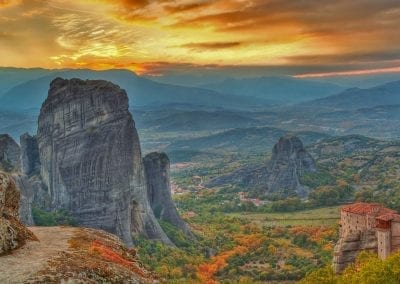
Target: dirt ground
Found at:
25, 262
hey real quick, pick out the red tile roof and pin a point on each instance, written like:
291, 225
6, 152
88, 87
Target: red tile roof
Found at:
389, 217
367, 209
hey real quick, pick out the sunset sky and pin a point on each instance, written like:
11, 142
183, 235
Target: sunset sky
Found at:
303, 37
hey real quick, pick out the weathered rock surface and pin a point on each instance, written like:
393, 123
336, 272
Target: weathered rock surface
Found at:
347, 248
91, 159
31, 190
30, 161
281, 174
157, 169
9, 153
12, 233
289, 161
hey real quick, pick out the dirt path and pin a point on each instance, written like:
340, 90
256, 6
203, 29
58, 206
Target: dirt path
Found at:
33, 257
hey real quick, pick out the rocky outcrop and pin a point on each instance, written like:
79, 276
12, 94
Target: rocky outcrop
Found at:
289, 161
9, 153
91, 159
281, 174
74, 255
157, 169
347, 248
32, 191
30, 162
12, 233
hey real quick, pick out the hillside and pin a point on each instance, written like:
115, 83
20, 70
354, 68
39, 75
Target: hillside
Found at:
193, 120
72, 254
248, 140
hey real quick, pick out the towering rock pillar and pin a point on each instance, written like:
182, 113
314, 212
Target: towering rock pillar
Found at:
280, 175
30, 163
91, 160
157, 169
288, 162
9, 153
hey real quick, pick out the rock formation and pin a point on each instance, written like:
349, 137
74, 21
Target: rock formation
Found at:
348, 247
366, 226
289, 161
281, 174
30, 162
91, 159
157, 169
12, 233
31, 190
9, 153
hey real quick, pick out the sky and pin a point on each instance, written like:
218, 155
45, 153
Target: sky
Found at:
304, 38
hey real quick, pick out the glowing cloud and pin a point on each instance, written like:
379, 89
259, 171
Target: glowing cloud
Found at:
130, 33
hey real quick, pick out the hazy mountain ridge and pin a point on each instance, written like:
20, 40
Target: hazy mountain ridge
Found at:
142, 91
356, 98
276, 89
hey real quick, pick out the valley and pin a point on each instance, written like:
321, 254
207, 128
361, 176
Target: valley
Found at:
199, 142
256, 210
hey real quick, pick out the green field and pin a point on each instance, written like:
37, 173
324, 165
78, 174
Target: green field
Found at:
312, 217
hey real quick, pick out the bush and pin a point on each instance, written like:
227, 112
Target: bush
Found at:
45, 218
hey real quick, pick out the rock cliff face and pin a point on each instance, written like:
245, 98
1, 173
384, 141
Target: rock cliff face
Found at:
30, 189
30, 161
12, 233
157, 169
91, 159
289, 161
9, 153
281, 174
347, 249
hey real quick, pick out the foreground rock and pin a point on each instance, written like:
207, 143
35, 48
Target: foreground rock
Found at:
157, 169
281, 175
12, 233
73, 255
91, 159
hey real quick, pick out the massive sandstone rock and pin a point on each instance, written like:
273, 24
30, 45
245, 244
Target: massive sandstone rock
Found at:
12, 233
281, 174
289, 161
157, 169
30, 162
347, 248
91, 159
9, 153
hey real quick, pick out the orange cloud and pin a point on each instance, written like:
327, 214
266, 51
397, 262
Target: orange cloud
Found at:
8, 3
325, 36
212, 45
350, 73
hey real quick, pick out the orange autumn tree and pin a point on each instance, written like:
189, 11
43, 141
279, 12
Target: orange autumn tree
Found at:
245, 243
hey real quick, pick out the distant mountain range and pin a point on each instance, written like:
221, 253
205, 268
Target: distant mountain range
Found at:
22, 89
356, 98
141, 91
276, 89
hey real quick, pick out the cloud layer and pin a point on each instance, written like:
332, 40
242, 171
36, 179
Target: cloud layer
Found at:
141, 34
